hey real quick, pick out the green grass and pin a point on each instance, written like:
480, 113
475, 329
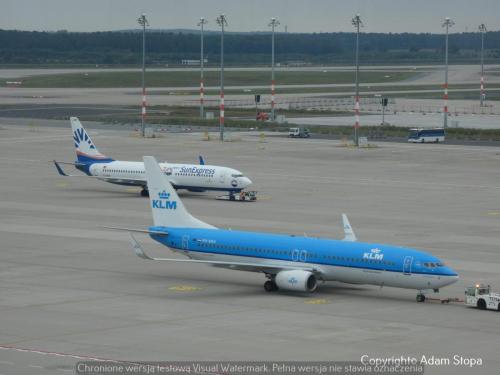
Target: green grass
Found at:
191, 78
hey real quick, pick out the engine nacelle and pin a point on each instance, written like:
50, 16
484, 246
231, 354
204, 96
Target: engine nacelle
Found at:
298, 280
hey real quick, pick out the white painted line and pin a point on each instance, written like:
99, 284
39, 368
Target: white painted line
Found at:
35, 366
6, 363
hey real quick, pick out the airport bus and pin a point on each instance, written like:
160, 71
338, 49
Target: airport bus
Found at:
419, 135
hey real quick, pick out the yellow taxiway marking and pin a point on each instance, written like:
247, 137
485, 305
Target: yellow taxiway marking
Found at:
493, 213
184, 288
317, 301
62, 184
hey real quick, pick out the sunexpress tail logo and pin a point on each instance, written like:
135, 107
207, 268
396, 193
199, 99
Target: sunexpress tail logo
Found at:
79, 136
164, 202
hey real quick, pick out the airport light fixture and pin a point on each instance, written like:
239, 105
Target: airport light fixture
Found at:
357, 23
482, 30
221, 21
274, 23
202, 22
143, 22
446, 24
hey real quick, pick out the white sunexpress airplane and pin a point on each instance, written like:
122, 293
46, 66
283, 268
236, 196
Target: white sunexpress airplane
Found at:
290, 262
196, 178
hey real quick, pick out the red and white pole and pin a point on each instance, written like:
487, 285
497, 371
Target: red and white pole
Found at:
202, 96
273, 85
143, 105
445, 101
221, 119
482, 90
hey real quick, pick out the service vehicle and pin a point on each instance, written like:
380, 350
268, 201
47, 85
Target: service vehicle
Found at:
418, 135
482, 297
299, 133
242, 196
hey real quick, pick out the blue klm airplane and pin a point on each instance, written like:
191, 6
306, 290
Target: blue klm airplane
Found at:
289, 262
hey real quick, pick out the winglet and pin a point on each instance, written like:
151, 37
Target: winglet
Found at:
59, 169
349, 233
138, 249
202, 162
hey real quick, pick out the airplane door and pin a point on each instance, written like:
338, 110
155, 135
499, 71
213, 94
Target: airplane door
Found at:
185, 242
303, 256
407, 265
295, 255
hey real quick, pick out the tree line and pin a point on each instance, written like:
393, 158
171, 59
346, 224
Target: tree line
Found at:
163, 47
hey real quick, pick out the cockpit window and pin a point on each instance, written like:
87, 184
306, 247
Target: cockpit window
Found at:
433, 265
237, 175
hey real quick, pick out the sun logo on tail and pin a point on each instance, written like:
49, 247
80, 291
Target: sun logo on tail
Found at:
80, 136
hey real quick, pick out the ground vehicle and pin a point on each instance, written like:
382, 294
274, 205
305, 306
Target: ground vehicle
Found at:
262, 116
247, 196
418, 135
480, 296
299, 133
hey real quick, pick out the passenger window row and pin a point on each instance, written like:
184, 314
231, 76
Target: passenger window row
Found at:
289, 253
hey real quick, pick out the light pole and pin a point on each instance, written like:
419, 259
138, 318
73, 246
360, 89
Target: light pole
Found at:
221, 21
202, 22
482, 30
143, 22
447, 24
356, 21
274, 22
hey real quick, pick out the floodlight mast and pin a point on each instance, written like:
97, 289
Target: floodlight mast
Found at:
221, 21
482, 30
357, 23
448, 22
202, 22
143, 22
274, 23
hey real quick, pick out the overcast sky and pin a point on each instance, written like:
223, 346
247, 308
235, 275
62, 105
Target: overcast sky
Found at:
250, 15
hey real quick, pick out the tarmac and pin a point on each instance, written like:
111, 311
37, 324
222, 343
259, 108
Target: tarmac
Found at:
72, 290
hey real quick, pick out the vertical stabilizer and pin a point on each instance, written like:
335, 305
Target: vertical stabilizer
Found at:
168, 209
86, 152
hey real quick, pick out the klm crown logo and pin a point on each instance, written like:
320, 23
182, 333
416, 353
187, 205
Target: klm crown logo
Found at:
79, 136
374, 254
163, 202
163, 195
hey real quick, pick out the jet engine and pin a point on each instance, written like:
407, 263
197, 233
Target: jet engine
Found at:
297, 280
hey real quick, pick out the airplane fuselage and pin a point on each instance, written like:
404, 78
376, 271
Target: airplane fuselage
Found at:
348, 262
181, 176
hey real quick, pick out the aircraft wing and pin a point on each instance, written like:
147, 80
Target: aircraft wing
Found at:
248, 266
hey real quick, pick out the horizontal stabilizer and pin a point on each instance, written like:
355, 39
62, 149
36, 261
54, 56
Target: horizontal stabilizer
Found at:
349, 233
60, 170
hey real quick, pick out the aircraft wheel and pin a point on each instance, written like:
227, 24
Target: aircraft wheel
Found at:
481, 304
270, 286
420, 298
144, 193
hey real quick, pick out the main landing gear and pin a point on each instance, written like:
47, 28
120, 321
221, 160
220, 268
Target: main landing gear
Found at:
420, 297
144, 192
270, 285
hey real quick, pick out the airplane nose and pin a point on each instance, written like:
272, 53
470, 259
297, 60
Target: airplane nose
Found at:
245, 181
